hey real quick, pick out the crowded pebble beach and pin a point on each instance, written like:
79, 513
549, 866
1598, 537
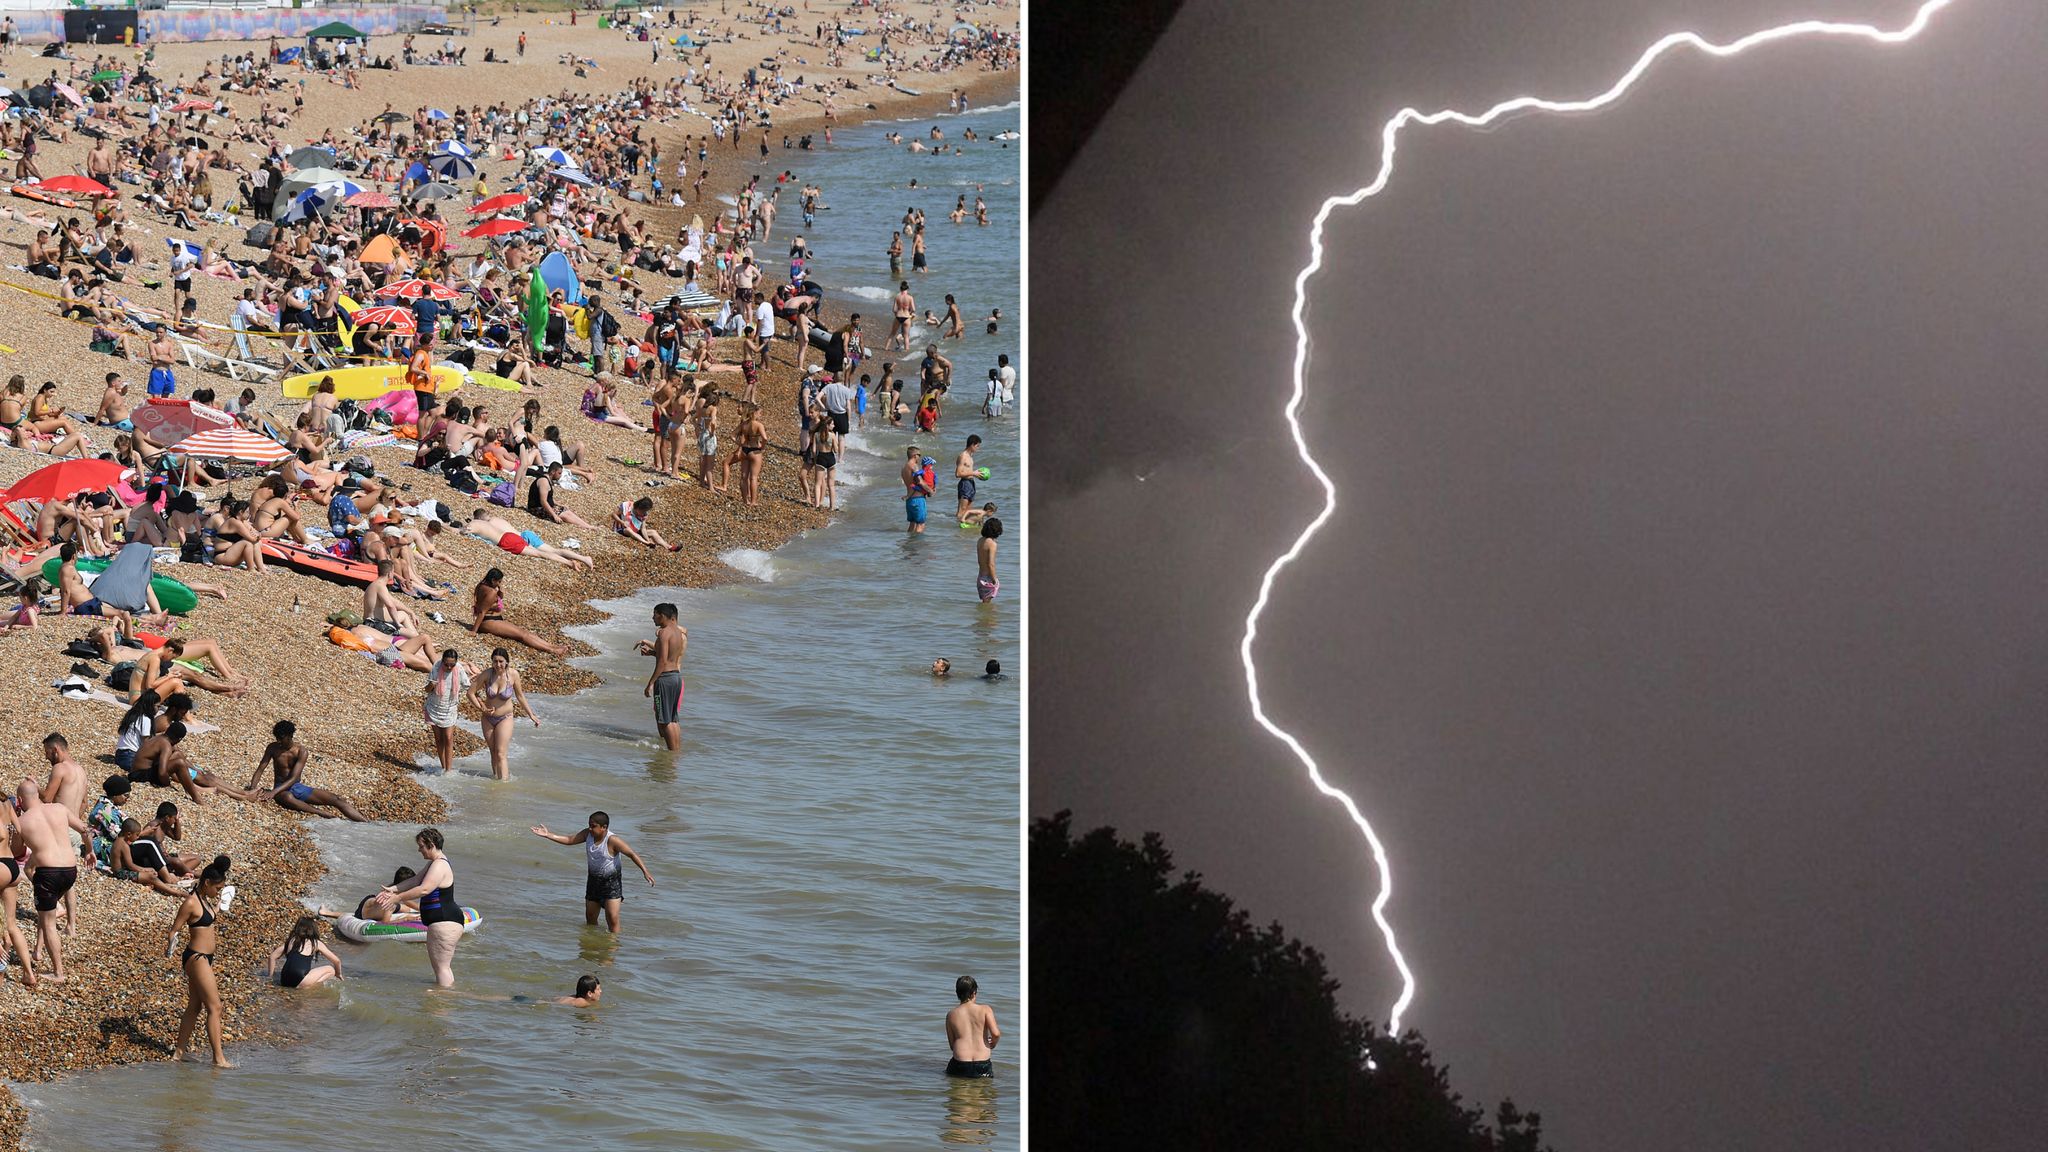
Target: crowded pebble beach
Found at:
569, 126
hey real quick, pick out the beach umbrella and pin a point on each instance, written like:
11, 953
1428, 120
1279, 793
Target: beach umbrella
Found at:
498, 227
449, 166
451, 148
65, 479
554, 156
76, 185
317, 174
192, 106
436, 191
233, 444
414, 289
311, 156
499, 203
574, 176
536, 310
371, 199
308, 204
436, 114
168, 422
391, 117
390, 316
70, 93
290, 54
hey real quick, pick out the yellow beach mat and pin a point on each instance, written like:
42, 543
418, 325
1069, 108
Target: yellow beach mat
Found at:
368, 382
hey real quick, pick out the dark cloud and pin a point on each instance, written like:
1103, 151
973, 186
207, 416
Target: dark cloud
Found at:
1681, 624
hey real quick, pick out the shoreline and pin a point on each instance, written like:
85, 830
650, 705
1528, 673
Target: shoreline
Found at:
121, 1006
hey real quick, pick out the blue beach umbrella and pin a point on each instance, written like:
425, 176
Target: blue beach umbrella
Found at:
451, 167
418, 171
451, 148
308, 204
574, 176
436, 114
554, 156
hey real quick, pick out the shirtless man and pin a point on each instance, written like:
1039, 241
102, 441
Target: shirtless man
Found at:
287, 758
45, 830
114, 406
161, 761
66, 789
665, 685
971, 1030
380, 605
500, 532
906, 307
964, 474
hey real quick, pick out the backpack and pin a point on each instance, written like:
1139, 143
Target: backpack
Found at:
504, 495
119, 676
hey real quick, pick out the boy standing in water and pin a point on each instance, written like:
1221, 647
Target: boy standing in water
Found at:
602, 849
665, 686
971, 1030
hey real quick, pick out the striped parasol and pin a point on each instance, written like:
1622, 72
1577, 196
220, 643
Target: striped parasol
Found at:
233, 444
371, 199
390, 316
414, 289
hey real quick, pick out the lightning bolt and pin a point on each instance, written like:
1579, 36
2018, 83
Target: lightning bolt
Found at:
1389, 135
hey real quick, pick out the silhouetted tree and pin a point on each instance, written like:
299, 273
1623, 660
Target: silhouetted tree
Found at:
1162, 1018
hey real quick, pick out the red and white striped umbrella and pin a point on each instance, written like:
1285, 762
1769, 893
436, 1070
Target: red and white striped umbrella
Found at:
167, 422
414, 289
388, 315
233, 444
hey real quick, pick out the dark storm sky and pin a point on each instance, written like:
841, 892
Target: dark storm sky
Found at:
1682, 627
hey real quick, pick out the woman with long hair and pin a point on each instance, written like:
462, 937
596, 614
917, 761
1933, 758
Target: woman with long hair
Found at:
496, 694
435, 891
487, 606
196, 914
296, 962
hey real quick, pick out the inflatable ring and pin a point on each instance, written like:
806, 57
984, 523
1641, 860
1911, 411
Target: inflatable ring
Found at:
370, 931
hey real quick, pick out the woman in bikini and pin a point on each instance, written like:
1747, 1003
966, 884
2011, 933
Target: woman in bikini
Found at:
499, 696
196, 913
237, 543
753, 441
487, 608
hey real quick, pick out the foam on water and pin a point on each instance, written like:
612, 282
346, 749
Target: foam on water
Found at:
752, 561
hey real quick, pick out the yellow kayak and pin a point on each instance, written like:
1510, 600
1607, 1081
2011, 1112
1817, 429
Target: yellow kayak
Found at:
367, 382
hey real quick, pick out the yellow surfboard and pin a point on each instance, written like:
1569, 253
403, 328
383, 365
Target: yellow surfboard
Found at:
367, 382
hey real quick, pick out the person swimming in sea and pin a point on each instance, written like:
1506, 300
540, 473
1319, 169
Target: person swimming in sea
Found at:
971, 1030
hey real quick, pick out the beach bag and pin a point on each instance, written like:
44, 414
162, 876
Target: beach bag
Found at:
504, 495
344, 619
119, 676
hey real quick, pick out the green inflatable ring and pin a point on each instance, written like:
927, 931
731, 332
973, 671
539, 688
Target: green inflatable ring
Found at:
173, 596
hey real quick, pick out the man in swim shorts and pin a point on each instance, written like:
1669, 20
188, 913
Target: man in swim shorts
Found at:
964, 473
46, 830
914, 490
602, 889
665, 686
971, 1030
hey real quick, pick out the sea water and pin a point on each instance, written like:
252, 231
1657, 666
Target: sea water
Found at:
835, 843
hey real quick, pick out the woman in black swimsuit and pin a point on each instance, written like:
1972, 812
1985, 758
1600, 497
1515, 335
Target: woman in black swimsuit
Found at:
196, 913
301, 954
10, 888
438, 909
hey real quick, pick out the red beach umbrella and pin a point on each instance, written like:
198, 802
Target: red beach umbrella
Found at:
498, 227
370, 199
191, 105
414, 289
499, 203
387, 315
167, 422
66, 478
76, 185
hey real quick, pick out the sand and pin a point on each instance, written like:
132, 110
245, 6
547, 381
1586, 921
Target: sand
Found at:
361, 721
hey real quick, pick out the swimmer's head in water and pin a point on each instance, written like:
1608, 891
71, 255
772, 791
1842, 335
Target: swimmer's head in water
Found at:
965, 988
993, 668
588, 987
942, 667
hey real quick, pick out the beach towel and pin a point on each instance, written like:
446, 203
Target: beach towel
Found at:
124, 583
